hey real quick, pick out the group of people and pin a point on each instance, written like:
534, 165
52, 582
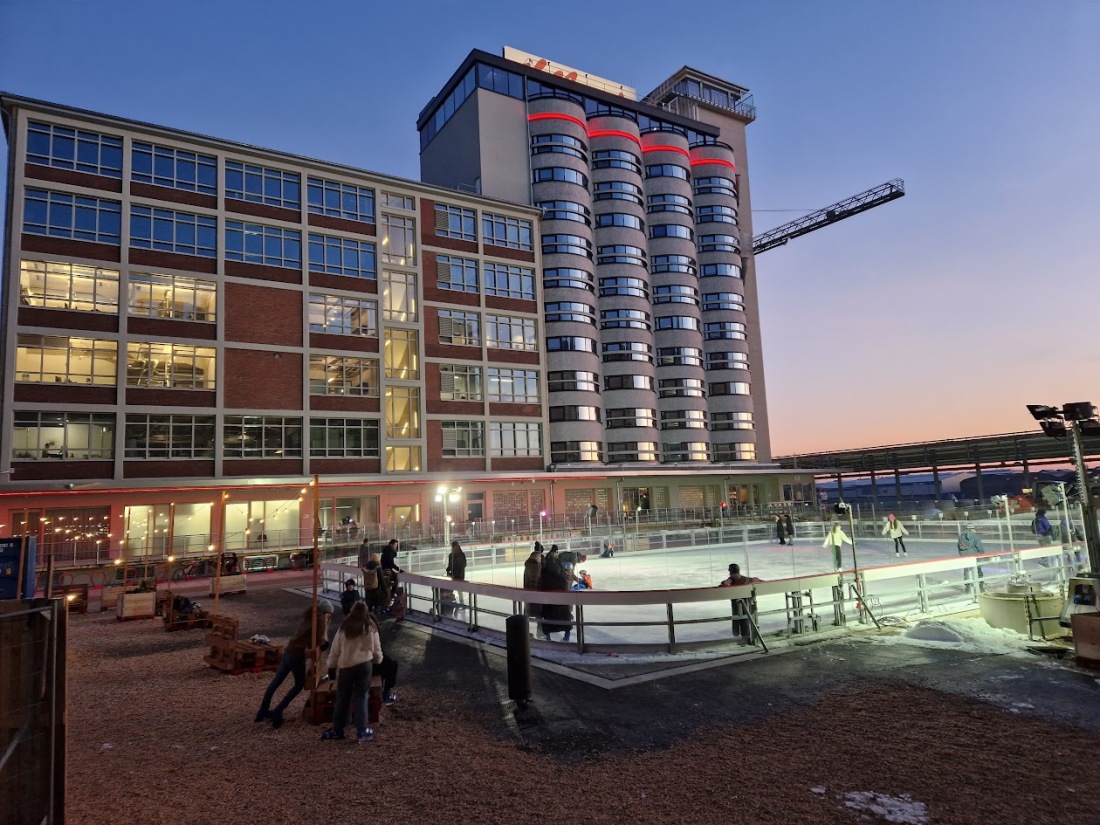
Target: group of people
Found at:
353, 653
784, 528
548, 571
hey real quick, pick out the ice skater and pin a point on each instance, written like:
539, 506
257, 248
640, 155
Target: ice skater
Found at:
780, 529
896, 530
835, 539
608, 551
790, 528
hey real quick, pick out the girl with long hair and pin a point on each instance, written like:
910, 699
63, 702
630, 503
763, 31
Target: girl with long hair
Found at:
354, 650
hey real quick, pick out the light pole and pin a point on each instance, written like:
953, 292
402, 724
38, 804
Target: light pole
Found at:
1081, 418
1006, 502
542, 515
442, 496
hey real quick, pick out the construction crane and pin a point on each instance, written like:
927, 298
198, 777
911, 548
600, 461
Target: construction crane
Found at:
829, 215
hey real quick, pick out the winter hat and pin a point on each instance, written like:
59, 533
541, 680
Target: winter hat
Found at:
325, 606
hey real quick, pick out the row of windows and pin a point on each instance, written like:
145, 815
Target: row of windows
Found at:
640, 351
501, 280
39, 435
572, 452
561, 174
79, 360
463, 328
460, 382
560, 144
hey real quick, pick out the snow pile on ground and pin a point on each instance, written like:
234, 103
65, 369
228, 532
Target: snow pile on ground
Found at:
898, 809
968, 634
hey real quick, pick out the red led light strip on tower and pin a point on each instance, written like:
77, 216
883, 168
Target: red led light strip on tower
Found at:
718, 161
665, 148
593, 133
558, 116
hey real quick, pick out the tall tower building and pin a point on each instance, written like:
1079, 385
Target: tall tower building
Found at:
652, 333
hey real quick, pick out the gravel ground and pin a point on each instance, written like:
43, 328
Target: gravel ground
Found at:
157, 737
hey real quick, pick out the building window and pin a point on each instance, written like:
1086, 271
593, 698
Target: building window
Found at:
403, 412
686, 451
621, 452
617, 190
59, 359
716, 214
509, 281
624, 287
676, 294
447, 108
627, 351
500, 81
723, 300
342, 316
668, 202
570, 343
79, 287
728, 270
76, 149
627, 417
573, 452
463, 439
169, 436
174, 168
398, 240
402, 459
514, 233
622, 219
715, 186
624, 319
260, 436
671, 230
343, 375
667, 170
575, 311
61, 215
344, 438
724, 329
681, 388
677, 322
262, 184
513, 439
730, 388
719, 243
684, 420
574, 413
731, 421
340, 200
566, 245
399, 298
621, 254
510, 332
513, 386
258, 244
457, 274
628, 382
455, 222
342, 256
459, 328
565, 211
394, 201
735, 452
401, 354
573, 381
167, 230
459, 382
564, 277
560, 174
673, 263
558, 144
679, 357
170, 366
616, 159
68, 435
171, 296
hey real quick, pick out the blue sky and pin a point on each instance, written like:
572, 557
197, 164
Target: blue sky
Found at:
938, 315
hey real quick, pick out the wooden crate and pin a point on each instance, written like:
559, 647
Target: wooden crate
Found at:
110, 596
136, 605
230, 655
184, 621
321, 703
229, 584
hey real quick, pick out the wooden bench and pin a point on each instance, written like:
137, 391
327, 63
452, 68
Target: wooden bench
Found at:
183, 621
233, 656
229, 584
321, 703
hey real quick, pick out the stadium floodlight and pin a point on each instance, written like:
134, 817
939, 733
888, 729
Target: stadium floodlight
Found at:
1089, 428
1054, 428
1041, 411
1079, 411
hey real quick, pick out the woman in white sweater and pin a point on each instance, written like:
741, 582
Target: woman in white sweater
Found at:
353, 652
896, 530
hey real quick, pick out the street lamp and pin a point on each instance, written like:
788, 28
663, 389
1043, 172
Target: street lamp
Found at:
542, 515
1076, 419
1006, 502
442, 496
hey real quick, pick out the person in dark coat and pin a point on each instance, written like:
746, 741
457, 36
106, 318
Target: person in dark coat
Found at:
376, 597
456, 569
389, 562
741, 607
532, 572
780, 529
294, 662
555, 617
350, 596
788, 522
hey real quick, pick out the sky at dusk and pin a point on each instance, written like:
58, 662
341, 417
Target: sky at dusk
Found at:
938, 315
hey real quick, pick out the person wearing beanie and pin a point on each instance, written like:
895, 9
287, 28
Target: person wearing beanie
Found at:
350, 596
896, 530
294, 662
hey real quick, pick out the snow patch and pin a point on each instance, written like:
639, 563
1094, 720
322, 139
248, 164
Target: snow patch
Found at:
970, 634
897, 809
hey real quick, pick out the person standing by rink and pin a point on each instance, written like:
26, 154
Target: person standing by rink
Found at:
355, 650
896, 530
456, 568
741, 607
790, 528
835, 540
970, 543
532, 572
780, 529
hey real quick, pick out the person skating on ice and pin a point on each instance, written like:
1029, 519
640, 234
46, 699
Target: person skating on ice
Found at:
896, 530
835, 539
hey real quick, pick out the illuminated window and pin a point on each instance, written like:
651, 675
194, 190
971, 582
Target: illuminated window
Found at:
684, 420
343, 375
402, 459
402, 412
78, 287
620, 452
338, 315
623, 418
572, 452
731, 421
68, 435
739, 451
686, 451
170, 366
399, 300
401, 357
171, 296
59, 359
398, 240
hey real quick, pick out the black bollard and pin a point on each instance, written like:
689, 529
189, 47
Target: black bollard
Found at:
519, 659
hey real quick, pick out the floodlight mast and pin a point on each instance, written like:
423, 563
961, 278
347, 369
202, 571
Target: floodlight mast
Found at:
1070, 419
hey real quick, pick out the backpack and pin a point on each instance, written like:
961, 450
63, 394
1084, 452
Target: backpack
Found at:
370, 579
